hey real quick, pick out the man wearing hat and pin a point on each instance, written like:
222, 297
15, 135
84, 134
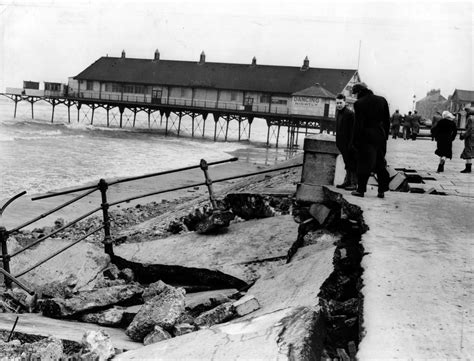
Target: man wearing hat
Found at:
371, 129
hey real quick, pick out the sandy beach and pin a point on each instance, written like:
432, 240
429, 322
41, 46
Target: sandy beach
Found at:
250, 160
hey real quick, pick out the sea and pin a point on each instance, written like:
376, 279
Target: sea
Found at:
37, 155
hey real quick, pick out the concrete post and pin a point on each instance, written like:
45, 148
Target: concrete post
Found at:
319, 167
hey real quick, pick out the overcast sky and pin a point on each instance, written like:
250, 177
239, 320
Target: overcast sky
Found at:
407, 47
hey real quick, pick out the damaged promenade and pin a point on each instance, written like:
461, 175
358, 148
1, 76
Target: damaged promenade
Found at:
343, 277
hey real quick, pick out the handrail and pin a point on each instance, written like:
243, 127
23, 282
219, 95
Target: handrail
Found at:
13, 278
123, 180
11, 200
39, 240
58, 252
203, 183
53, 210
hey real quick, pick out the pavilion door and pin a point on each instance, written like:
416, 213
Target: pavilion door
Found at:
248, 103
326, 110
156, 94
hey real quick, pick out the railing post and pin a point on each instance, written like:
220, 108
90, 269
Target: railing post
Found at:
204, 167
5, 255
105, 207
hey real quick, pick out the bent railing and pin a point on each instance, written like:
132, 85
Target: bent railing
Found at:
102, 186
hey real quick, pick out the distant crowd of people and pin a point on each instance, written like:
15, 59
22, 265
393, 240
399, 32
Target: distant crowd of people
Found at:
362, 134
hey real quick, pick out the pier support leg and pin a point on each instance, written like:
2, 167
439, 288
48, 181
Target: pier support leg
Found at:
250, 127
215, 129
179, 122
108, 121
52, 113
148, 112
69, 112
268, 134
192, 125
203, 126
166, 124
227, 127
32, 113
278, 134
240, 121
78, 111
16, 103
92, 116
121, 116
134, 116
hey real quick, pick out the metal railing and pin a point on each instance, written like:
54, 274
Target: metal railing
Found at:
102, 186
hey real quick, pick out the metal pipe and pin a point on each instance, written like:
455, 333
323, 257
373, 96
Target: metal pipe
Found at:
94, 188
56, 231
58, 252
11, 200
21, 285
133, 178
53, 210
5, 256
105, 214
203, 183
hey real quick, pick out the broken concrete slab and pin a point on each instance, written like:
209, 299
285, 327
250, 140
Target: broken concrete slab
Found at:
200, 302
319, 212
91, 300
111, 317
296, 283
157, 335
246, 305
287, 334
84, 261
162, 310
219, 314
50, 348
181, 329
36, 324
98, 344
230, 253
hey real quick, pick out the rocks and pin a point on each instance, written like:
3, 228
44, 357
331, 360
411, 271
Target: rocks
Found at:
97, 346
219, 314
217, 220
90, 300
46, 349
111, 317
246, 305
157, 335
183, 328
249, 205
153, 290
200, 302
163, 310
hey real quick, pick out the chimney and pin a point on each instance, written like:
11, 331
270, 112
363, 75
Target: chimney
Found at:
305, 64
123, 54
254, 61
157, 55
202, 58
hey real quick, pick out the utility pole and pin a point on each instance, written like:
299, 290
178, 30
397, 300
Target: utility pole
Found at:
414, 100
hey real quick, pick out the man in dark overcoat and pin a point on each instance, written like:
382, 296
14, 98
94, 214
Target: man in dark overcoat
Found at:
395, 124
371, 127
344, 130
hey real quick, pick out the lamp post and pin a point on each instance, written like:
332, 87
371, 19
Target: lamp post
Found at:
414, 100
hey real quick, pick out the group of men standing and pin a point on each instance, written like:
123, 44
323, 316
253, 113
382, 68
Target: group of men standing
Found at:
410, 123
361, 137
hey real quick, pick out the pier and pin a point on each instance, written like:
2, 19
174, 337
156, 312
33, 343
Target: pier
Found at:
176, 116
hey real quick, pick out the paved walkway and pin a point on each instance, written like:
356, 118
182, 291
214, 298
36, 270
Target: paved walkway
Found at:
419, 155
418, 269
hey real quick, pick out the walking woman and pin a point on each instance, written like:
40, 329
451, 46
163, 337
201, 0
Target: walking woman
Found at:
444, 132
468, 137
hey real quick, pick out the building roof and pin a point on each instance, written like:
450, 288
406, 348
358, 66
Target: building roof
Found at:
245, 77
315, 91
464, 95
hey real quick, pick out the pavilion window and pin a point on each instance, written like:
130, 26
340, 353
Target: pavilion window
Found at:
265, 98
89, 85
139, 89
128, 89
